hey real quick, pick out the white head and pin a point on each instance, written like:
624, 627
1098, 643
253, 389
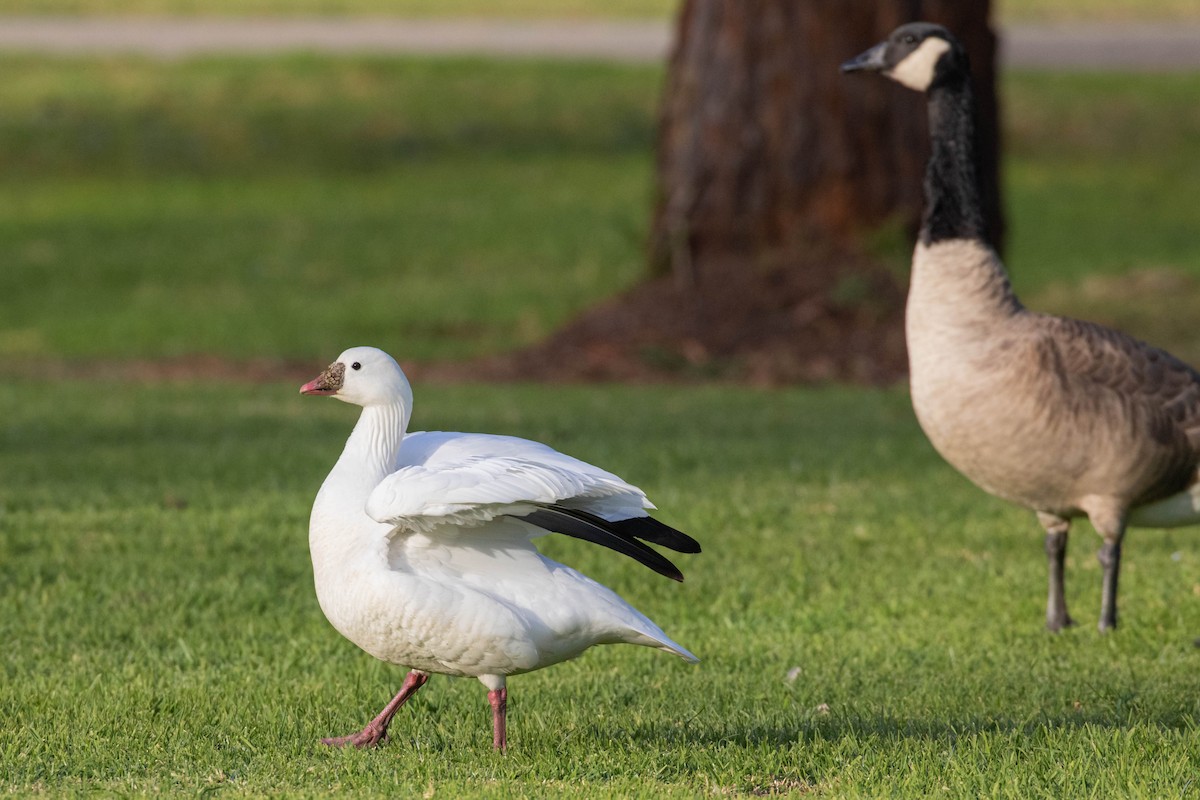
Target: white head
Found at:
364, 376
916, 55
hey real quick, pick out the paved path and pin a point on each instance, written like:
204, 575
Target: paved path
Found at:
615, 40
1151, 47
1141, 46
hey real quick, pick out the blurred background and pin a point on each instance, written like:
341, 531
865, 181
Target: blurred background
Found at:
203, 202
195, 210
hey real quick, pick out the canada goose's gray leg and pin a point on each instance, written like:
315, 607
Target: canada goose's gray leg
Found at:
1112, 527
1056, 527
1110, 559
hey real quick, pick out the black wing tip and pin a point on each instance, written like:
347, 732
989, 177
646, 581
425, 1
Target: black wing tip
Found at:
655, 532
590, 528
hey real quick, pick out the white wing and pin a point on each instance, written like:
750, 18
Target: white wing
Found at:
467, 479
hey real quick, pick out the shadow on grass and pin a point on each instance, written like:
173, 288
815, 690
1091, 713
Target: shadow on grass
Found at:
859, 728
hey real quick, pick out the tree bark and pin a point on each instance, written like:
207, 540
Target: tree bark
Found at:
771, 166
764, 144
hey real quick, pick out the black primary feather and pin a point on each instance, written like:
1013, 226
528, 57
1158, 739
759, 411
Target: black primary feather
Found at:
590, 528
651, 530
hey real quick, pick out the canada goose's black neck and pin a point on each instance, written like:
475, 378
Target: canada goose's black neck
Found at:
952, 197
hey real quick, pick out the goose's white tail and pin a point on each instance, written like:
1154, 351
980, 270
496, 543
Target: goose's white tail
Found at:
1170, 512
660, 641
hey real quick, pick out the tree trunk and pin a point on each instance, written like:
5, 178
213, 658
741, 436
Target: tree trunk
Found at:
771, 163
764, 144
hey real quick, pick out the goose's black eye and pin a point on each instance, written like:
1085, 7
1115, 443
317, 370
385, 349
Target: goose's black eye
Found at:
356, 365
910, 38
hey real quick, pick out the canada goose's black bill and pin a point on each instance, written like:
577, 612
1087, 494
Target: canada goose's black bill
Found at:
871, 61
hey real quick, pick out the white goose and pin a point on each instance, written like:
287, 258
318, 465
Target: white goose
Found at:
422, 552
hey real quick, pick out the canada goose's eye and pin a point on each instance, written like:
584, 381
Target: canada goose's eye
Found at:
356, 365
910, 38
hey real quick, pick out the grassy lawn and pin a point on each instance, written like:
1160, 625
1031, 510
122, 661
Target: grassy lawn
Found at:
447, 208
1007, 10
529, 9
869, 623
1057, 11
239, 208
1102, 174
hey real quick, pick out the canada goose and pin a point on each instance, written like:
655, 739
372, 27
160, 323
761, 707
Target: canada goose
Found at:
423, 556
1066, 418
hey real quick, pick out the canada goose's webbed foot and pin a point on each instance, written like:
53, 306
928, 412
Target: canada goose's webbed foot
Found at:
1057, 619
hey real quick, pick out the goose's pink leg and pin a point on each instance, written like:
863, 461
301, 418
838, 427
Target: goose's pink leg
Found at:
498, 699
376, 730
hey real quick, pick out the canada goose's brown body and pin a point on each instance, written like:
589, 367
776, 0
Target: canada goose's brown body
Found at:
1064, 417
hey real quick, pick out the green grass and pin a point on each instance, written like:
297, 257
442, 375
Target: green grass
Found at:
1007, 10
300, 267
160, 630
1102, 175
517, 9
446, 208
1058, 11
162, 635
290, 207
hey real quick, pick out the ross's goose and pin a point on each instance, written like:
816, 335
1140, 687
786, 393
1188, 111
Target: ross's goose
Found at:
422, 552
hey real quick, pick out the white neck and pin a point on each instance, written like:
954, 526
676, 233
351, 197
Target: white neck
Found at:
339, 525
349, 549
370, 452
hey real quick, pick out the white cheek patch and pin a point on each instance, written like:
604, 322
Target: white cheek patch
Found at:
917, 68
